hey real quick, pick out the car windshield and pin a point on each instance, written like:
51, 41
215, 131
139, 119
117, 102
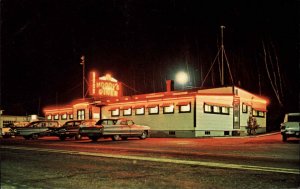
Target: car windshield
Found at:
294, 118
33, 124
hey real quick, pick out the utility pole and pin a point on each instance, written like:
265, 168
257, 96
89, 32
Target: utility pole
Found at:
222, 57
83, 75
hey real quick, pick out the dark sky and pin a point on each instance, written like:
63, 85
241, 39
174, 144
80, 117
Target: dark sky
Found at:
143, 43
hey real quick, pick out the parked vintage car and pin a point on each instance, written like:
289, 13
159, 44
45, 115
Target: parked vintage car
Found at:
70, 129
7, 131
117, 129
37, 129
291, 126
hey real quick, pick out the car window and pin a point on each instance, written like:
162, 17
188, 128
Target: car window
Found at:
69, 123
130, 122
36, 125
106, 122
77, 123
293, 118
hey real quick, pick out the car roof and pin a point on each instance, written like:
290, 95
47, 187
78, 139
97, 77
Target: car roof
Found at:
293, 114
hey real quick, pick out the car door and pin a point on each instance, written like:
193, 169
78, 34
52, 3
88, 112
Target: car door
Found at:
134, 129
73, 129
125, 128
42, 128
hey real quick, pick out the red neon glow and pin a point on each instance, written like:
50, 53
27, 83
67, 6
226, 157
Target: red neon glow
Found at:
105, 86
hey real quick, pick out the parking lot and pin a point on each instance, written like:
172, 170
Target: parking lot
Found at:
226, 162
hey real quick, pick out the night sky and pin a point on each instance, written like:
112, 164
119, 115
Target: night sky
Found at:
142, 43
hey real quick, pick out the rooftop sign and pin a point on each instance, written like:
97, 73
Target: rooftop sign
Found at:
105, 86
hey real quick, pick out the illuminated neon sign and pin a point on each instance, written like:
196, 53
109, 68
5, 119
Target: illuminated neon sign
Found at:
104, 86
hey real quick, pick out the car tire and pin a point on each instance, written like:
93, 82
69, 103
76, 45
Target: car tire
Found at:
144, 135
62, 138
77, 137
26, 137
34, 136
94, 139
284, 138
116, 137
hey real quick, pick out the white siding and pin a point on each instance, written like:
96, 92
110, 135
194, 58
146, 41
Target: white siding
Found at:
215, 123
179, 122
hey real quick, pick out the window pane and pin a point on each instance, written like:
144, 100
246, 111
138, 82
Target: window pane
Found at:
207, 108
254, 113
140, 111
169, 109
115, 112
56, 117
216, 109
64, 116
186, 108
49, 117
127, 112
225, 110
81, 114
153, 110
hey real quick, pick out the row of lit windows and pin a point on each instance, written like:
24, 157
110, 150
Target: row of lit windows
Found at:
57, 116
155, 110
152, 110
255, 113
216, 109
80, 116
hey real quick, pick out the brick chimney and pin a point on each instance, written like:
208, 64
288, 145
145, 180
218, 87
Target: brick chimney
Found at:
170, 85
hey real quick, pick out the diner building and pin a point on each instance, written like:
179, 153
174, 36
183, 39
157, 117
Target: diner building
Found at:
221, 111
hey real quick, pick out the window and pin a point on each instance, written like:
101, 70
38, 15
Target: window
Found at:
127, 112
185, 108
172, 133
56, 117
257, 113
140, 111
168, 109
115, 113
64, 116
153, 110
81, 114
216, 109
207, 132
224, 110
207, 108
226, 133
70, 116
244, 108
49, 117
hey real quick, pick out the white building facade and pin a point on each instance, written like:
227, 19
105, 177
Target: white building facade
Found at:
220, 111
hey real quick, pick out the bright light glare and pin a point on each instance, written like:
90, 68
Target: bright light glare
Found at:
181, 77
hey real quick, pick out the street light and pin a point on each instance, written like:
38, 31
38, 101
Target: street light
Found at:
182, 78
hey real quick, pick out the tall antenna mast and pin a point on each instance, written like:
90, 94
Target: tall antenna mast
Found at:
223, 54
222, 57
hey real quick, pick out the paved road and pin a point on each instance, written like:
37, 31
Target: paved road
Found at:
260, 161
